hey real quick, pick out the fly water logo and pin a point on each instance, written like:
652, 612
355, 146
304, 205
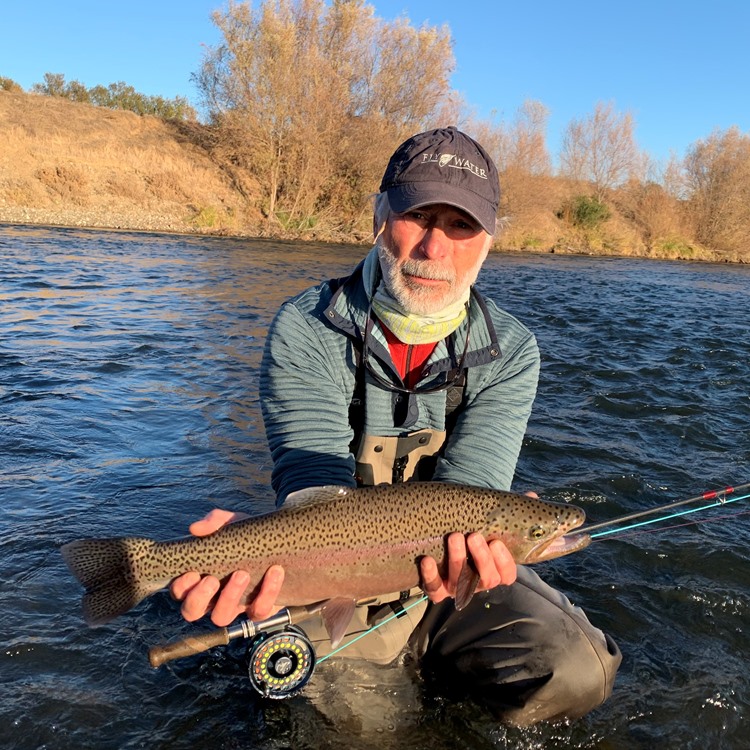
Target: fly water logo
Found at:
455, 162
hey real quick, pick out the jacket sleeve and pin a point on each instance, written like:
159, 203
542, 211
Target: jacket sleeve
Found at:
486, 441
305, 396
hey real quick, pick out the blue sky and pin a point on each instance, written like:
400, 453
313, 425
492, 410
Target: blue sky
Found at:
681, 67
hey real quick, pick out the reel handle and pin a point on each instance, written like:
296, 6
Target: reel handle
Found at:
197, 644
194, 644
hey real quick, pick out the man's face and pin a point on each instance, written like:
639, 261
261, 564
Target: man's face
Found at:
430, 256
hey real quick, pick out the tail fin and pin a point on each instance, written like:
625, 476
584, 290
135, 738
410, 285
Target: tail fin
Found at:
104, 567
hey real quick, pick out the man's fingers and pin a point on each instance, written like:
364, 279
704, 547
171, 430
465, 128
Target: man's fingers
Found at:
182, 585
198, 600
432, 583
199, 596
504, 562
264, 603
456, 560
493, 562
230, 601
484, 562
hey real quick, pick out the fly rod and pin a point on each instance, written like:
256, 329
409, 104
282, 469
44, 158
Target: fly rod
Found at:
720, 497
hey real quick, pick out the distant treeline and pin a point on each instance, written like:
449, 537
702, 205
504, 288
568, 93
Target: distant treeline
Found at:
305, 100
115, 96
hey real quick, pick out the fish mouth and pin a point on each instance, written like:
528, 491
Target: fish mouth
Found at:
558, 546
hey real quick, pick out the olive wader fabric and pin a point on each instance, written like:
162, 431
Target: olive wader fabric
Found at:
523, 650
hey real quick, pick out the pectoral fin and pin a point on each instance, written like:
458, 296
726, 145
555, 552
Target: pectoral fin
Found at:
337, 614
466, 585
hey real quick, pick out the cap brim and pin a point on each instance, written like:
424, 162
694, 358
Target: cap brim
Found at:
419, 194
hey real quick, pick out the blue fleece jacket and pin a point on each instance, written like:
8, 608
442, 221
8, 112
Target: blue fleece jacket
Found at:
307, 381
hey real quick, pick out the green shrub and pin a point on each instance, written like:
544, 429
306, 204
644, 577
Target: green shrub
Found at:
584, 212
678, 247
531, 242
206, 217
294, 223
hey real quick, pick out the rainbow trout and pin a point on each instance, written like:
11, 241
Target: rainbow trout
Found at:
337, 545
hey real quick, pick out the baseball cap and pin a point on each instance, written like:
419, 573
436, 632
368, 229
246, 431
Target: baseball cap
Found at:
443, 166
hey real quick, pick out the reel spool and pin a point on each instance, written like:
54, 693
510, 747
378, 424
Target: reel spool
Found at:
280, 663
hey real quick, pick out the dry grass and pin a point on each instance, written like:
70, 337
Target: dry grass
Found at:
56, 154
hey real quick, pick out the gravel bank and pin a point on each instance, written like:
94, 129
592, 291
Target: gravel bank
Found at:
95, 219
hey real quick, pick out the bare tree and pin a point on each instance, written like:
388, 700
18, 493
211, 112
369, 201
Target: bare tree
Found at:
653, 206
411, 79
528, 198
718, 177
670, 175
305, 92
601, 149
528, 140
520, 144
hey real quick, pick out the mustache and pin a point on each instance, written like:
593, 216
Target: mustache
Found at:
426, 270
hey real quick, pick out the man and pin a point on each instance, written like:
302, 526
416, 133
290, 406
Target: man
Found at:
403, 372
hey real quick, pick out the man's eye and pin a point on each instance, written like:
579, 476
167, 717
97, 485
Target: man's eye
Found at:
465, 227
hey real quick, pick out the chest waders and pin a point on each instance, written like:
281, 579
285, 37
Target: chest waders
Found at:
392, 459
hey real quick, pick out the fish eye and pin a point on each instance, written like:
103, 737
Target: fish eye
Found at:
536, 532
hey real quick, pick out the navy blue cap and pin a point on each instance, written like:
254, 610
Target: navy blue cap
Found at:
444, 166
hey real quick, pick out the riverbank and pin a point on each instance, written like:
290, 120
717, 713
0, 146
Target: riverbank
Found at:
94, 219
69, 164
165, 223
155, 222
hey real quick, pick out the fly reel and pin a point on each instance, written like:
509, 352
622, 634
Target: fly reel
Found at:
280, 663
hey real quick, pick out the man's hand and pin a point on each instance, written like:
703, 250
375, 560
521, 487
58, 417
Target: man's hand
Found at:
199, 594
492, 561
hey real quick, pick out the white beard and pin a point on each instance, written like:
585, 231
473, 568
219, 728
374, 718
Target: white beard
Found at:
418, 299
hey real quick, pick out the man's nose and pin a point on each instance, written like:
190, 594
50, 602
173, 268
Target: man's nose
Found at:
434, 243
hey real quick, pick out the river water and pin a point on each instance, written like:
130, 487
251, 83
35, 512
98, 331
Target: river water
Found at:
129, 406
